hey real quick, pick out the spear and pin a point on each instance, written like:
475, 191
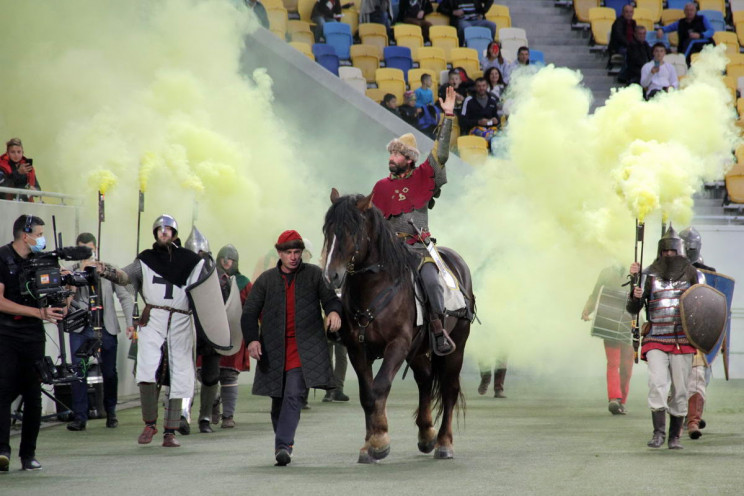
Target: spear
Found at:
135, 311
101, 220
636, 281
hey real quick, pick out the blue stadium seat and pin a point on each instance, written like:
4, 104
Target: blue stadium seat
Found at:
537, 57
338, 35
677, 4
715, 18
326, 56
652, 38
478, 38
398, 57
617, 5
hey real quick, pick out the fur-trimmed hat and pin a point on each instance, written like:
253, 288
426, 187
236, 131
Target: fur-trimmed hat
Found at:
289, 240
406, 146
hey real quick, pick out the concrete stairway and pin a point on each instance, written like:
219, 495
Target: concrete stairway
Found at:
549, 30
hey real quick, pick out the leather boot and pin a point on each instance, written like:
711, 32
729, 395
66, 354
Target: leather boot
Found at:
443, 345
694, 412
659, 420
498, 383
485, 381
675, 431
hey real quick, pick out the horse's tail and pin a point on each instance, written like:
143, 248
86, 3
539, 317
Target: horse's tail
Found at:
444, 380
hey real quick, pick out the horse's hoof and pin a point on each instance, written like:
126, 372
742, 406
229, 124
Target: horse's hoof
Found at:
444, 453
365, 458
380, 453
426, 447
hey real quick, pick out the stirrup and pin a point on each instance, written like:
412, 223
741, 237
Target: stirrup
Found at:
447, 339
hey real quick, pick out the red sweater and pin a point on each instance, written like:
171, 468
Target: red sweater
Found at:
291, 354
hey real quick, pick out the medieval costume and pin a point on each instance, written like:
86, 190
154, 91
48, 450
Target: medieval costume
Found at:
665, 347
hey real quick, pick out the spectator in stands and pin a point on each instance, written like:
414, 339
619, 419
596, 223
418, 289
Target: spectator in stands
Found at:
376, 11
495, 82
325, 11
494, 58
17, 171
408, 111
260, 12
454, 79
658, 75
466, 13
424, 95
480, 112
639, 54
690, 28
413, 12
391, 103
623, 31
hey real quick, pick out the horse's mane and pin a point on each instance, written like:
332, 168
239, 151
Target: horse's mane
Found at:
347, 219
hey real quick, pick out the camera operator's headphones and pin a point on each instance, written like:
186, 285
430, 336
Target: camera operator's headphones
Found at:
28, 228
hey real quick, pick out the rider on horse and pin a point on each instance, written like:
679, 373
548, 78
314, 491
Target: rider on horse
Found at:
406, 195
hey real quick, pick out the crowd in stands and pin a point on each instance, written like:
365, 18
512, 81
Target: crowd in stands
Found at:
17, 171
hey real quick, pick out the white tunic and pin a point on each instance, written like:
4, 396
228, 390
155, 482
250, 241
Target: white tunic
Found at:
180, 333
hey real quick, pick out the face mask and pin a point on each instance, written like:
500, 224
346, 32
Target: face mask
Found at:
39, 246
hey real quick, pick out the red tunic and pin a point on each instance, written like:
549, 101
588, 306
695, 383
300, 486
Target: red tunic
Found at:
291, 354
397, 195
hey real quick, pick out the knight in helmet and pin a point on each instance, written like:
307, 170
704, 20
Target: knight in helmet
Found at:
161, 274
665, 347
406, 195
697, 383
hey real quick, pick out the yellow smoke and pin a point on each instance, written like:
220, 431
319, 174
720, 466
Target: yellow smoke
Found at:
102, 179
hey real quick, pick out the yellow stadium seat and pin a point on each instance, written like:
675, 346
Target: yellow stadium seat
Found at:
472, 149
391, 81
501, 22
739, 153
290, 5
730, 82
300, 31
351, 17
597, 13
654, 8
669, 16
375, 34
408, 35
736, 58
729, 39
273, 4
740, 111
735, 183
304, 48
673, 39
375, 94
305, 9
366, 58
431, 58
581, 9
414, 79
644, 17
278, 21
406, 30
601, 31
735, 71
500, 15
444, 37
718, 5
740, 32
437, 19
737, 16
499, 10
467, 58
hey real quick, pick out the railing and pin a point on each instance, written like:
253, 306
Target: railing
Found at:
19, 192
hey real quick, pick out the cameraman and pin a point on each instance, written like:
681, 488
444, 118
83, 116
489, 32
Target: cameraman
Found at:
21, 342
108, 345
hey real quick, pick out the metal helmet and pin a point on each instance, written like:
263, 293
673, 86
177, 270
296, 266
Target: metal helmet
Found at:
229, 252
164, 220
671, 241
693, 243
197, 242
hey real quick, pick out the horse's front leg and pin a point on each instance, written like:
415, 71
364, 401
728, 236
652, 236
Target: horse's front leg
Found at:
422, 373
363, 368
448, 369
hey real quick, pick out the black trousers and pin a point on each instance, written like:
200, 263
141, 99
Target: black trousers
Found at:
285, 411
18, 376
79, 389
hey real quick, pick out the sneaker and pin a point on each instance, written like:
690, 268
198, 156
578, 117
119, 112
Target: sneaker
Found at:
204, 426
4, 462
30, 464
184, 428
328, 396
283, 458
170, 441
111, 421
340, 396
76, 426
147, 433
623, 411
228, 422
614, 407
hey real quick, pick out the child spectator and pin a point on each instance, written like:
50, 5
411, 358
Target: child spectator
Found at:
424, 95
17, 171
658, 75
455, 80
391, 103
408, 111
494, 58
413, 12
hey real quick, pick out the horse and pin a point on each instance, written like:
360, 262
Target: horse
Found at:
375, 273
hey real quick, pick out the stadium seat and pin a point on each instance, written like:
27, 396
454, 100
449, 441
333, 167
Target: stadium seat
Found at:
300, 31
501, 22
278, 21
290, 5
669, 16
729, 39
273, 4
731, 81
735, 183
717, 5
581, 9
472, 149
351, 17
499, 15
537, 57
414, 79
644, 17
677, 4
654, 8
679, 63
367, 59
305, 9
740, 32
326, 56
398, 57
431, 58
736, 6
601, 20
375, 34
478, 38
338, 35
617, 6
437, 19
498, 10
737, 15
602, 13
375, 94
467, 58
391, 81
736, 58
304, 48
734, 70
509, 49
739, 152
443, 77
512, 34
408, 35
444, 37
353, 76
716, 19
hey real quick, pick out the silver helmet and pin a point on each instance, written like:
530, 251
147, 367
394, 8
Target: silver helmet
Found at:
229, 252
164, 220
197, 242
693, 243
671, 241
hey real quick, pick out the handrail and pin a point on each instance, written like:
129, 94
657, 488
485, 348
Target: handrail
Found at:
37, 193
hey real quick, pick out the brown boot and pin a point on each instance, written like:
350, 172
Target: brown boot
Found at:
498, 383
147, 434
694, 413
170, 441
485, 381
443, 344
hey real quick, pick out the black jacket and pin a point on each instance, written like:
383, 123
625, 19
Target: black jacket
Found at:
638, 55
267, 302
472, 112
449, 6
410, 9
618, 35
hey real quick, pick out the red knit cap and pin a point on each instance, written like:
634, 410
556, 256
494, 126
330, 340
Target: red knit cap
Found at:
289, 240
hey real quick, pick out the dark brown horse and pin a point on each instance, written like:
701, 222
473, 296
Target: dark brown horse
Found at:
375, 273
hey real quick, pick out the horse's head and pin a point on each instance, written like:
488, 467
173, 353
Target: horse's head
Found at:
347, 238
